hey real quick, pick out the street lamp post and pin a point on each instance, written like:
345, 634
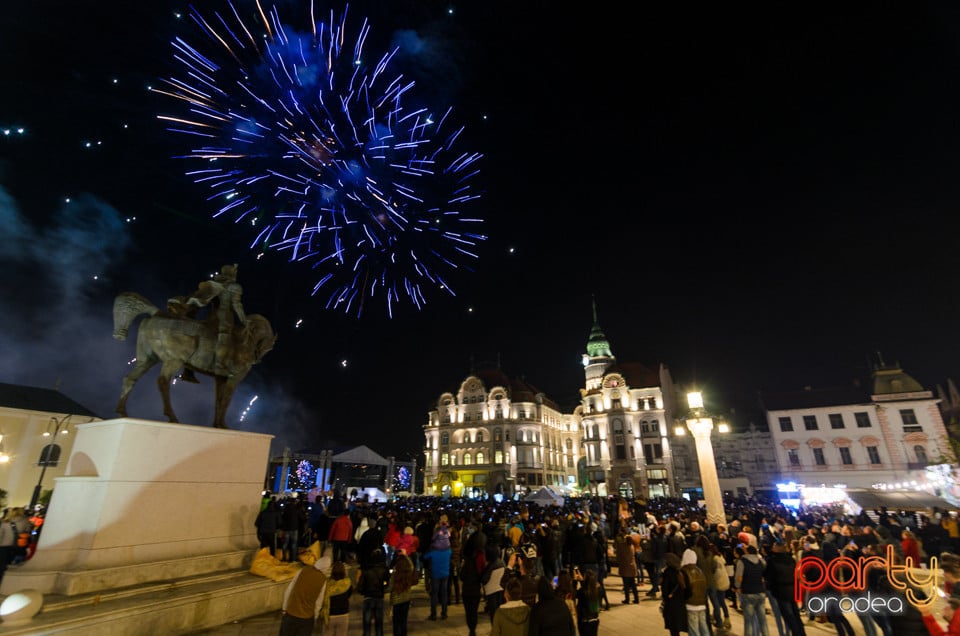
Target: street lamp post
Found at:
50, 454
701, 425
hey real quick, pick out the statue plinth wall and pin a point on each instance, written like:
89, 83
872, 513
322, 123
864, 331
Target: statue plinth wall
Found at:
145, 501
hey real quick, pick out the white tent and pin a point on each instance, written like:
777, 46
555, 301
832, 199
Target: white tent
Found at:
545, 497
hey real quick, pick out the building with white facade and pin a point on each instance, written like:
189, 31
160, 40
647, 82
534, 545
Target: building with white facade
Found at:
500, 435
37, 429
855, 436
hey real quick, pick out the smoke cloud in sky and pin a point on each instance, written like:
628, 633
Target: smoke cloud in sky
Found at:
56, 325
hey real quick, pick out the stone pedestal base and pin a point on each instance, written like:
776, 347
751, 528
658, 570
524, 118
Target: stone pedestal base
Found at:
145, 501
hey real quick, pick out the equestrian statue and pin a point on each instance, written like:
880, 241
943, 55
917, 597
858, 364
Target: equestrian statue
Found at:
183, 342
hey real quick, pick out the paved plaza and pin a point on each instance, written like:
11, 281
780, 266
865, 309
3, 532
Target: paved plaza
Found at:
629, 619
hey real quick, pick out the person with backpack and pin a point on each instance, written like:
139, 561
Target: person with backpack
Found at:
748, 581
693, 582
372, 581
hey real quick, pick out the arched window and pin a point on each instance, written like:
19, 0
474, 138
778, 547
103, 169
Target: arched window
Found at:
480, 458
479, 438
466, 438
467, 459
444, 438
453, 459
519, 436
921, 453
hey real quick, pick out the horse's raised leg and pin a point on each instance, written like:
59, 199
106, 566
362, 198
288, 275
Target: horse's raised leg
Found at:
167, 371
141, 367
224, 393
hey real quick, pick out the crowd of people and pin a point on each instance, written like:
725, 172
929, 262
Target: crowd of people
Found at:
516, 565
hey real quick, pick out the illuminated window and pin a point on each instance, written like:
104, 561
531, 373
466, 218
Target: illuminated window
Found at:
496, 434
480, 458
467, 459
444, 459
498, 457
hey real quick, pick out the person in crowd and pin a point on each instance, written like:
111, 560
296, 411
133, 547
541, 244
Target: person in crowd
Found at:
303, 601
950, 614
18, 523
673, 604
717, 592
320, 523
910, 547
391, 536
627, 565
588, 605
293, 519
335, 612
512, 618
472, 562
456, 548
491, 578
748, 580
372, 580
341, 531
267, 523
522, 568
780, 577
408, 544
399, 587
693, 584
437, 562
549, 616
658, 549
371, 542
933, 538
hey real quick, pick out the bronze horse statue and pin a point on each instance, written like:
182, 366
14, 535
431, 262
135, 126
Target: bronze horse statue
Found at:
179, 342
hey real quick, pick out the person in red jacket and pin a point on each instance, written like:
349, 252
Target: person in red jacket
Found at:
911, 548
341, 531
950, 614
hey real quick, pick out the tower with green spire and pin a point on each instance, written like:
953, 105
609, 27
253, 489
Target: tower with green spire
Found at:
598, 357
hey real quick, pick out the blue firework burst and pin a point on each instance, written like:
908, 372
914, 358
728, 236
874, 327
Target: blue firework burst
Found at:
299, 135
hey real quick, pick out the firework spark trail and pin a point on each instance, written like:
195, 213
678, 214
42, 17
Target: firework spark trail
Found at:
319, 150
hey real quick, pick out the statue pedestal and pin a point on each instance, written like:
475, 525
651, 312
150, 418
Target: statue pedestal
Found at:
145, 501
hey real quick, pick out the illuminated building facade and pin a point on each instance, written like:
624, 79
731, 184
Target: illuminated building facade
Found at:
858, 437
500, 435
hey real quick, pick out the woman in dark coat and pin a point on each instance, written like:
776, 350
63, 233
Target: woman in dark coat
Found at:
674, 603
550, 616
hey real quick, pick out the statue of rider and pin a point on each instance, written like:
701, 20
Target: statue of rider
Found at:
223, 293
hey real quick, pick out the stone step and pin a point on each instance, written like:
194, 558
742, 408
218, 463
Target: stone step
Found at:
178, 606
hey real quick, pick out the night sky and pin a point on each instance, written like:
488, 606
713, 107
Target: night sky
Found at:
760, 198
